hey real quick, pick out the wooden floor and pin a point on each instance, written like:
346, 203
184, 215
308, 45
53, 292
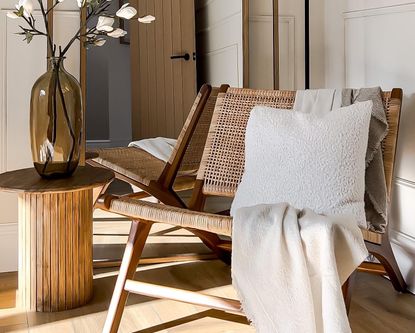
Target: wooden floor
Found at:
376, 307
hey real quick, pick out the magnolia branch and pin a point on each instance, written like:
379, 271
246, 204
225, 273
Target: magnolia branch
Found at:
92, 36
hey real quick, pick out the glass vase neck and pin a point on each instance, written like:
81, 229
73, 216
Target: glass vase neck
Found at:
56, 62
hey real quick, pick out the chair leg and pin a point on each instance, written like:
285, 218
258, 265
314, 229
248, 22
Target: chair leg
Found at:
384, 254
210, 240
347, 291
133, 250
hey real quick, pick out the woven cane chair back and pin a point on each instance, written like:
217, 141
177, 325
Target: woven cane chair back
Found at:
392, 101
194, 151
223, 159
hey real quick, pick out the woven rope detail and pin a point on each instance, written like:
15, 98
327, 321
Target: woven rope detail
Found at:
147, 211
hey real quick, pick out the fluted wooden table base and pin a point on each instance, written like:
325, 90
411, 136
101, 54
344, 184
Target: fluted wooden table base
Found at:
55, 250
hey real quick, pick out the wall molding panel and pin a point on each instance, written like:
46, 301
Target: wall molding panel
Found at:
231, 74
8, 247
3, 80
380, 10
219, 42
287, 61
379, 50
260, 62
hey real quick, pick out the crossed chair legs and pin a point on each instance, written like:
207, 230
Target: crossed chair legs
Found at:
125, 284
212, 241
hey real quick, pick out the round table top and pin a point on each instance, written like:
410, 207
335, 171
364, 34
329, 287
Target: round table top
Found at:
29, 181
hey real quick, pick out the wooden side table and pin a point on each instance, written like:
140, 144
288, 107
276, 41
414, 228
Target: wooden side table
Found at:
55, 236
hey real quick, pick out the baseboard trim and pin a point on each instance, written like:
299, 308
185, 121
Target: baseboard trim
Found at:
404, 249
404, 182
402, 239
107, 143
8, 247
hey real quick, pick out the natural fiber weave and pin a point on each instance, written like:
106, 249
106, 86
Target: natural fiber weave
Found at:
223, 159
147, 211
389, 144
224, 156
131, 162
194, 151
143, 167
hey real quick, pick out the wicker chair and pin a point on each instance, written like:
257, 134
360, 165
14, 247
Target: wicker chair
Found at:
157, 178
153, 176
219, 175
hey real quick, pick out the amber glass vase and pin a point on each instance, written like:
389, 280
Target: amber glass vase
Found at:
56, 122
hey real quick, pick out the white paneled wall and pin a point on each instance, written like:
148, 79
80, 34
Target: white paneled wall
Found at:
20, 66
219, 40
375, 45
219, 36
261, 47
292, 43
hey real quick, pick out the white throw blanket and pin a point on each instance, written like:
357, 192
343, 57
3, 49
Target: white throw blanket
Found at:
160, 148
288, 267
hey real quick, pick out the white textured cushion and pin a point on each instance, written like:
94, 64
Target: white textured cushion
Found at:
307, 161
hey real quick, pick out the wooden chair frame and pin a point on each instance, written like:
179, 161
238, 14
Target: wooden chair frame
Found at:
126, 284
378, 244
144, 214
164, 188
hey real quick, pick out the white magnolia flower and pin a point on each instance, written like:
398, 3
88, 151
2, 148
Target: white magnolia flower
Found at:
27, 7
12, 15
126, 12
105, 24
117, 33
100, 42
81, 3
146, 19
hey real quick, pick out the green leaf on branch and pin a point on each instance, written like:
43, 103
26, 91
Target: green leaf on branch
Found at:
29, 37
20, 11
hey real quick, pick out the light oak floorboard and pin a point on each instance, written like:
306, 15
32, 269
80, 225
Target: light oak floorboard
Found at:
376, 307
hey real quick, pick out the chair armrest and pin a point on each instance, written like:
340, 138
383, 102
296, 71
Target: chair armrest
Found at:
154, 212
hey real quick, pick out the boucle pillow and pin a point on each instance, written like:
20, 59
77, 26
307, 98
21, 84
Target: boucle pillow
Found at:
308, 161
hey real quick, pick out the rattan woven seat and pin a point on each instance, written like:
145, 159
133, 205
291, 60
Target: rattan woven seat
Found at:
132, 162
220, 173
158, 178
140, 166
185, 218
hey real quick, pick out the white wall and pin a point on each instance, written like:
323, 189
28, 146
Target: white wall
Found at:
219, 35
20, 66
219, 42
108, 104
317, 48
261, 47
294, 10
371, 43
